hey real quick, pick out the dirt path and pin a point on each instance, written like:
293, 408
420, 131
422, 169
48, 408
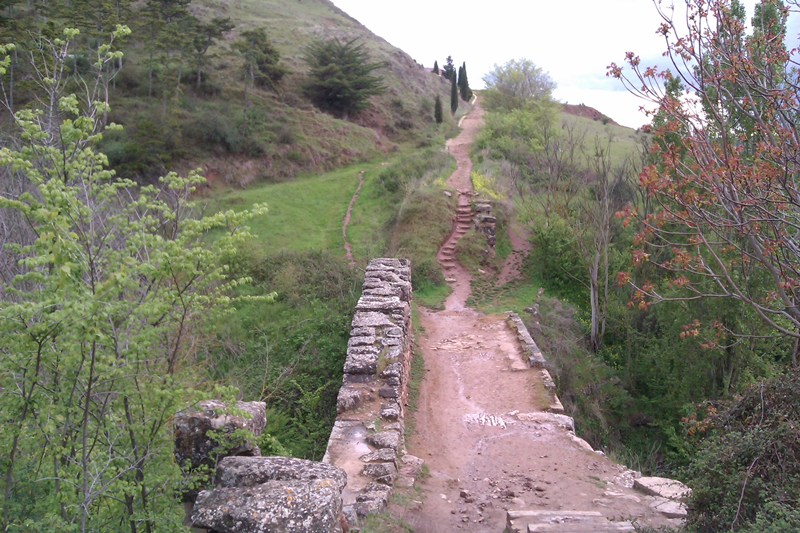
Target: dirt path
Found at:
514, 263
481, 425
348, 248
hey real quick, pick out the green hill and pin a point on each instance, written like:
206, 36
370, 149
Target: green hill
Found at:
237, 135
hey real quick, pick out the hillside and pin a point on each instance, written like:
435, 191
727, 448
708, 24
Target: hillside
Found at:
182, 95
321, 142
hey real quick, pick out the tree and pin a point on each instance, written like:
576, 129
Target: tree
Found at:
206, 34
262, 66
435, 68
453, 95
166, 25
516, 84
341, 78
463, 83
449, 69
437, 110
112, 278
723, 171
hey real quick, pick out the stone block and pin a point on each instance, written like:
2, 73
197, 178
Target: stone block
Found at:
252, 471
391, 411
663, 487
389, 392
193, 446
365, 340
385, 439
362, 332
383, 455
392, 370
361, 362
380, 471
275, 506
350, 397
371, 319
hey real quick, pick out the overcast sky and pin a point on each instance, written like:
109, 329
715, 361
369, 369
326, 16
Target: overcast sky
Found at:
573, 40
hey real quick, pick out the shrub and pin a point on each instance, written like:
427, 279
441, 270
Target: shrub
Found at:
747, 472
341, 76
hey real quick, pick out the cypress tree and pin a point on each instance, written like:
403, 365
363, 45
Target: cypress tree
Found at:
436, 67
453, 95
460, 82
437, 110
463, 83
449, 70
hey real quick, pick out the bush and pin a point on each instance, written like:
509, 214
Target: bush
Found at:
747, 472
556, 259
290, 353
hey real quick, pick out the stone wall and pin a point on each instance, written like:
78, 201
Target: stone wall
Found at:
368, 437
535, 359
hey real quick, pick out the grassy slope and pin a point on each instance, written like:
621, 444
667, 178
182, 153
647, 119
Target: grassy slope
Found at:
317, 140
304, 214
279, 134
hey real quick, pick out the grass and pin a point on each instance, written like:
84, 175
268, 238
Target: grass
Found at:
622, 142
512, 297
304, 214
417, 372
432, 296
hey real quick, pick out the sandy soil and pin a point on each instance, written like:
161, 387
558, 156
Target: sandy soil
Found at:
480, 425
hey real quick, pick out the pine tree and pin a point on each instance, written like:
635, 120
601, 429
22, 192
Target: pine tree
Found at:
340, 77
453, 95
436, 67
437, 110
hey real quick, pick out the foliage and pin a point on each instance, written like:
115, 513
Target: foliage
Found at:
747, 472
723, 214
297, 344
437, 110
516, 84
341, 76
449, 69
205, 35
518, 136
435, 67
262, 66
111, 281
463, 83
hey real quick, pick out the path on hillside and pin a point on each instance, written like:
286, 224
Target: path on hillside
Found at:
481, 425
515, 262
348, 248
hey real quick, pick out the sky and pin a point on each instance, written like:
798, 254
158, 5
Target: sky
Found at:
572, 40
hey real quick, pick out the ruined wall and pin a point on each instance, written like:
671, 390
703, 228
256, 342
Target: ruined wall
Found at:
368, 437
535, 359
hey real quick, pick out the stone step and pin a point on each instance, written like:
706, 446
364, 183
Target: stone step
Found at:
562, 521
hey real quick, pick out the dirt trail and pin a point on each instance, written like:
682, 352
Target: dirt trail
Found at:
481, 425
513, 265
348, 248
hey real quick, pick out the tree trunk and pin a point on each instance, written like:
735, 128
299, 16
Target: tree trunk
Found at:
595, 338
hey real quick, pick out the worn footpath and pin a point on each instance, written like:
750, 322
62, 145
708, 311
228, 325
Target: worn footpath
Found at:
485, 426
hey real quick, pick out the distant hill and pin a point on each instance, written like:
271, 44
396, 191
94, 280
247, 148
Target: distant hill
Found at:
583, 110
